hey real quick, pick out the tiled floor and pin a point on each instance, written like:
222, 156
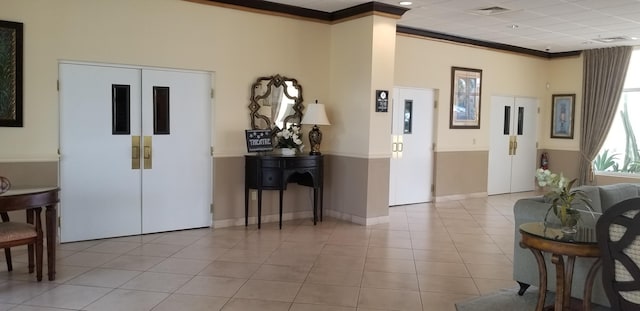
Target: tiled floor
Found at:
427, 257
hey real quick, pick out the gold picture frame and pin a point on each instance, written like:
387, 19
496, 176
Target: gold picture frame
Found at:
466, 95
11, 38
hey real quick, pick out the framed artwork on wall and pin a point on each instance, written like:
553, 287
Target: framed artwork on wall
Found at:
10, 74
466, 91
562, 115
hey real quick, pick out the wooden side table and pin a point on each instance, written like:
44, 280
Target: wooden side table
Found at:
539, 238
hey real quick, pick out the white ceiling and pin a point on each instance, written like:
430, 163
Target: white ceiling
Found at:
543, 25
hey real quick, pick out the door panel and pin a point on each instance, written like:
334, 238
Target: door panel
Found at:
111, 187
523, 165
176, 190
512, 146
411, 167
100, 193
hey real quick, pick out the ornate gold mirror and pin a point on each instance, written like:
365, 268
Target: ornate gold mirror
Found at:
276, 103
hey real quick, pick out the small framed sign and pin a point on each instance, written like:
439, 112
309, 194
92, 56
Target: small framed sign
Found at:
258, 140
382, 101
562, 114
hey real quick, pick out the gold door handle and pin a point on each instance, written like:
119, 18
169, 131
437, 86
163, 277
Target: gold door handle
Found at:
510, 146
147, 153
515, 145
401, 147
394, 147
135, 152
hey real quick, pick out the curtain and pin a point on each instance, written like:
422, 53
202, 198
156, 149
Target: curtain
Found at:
604, 74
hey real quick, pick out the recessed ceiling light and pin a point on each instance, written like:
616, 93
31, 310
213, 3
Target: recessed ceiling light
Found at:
514, 26
405, 3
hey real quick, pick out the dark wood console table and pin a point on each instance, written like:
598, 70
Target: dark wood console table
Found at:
30, 198
273, 172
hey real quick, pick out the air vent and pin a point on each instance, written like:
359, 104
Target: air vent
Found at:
493, 10
614, 39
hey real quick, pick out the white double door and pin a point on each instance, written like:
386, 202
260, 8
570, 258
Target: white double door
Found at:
411, 167
512, 146
134, 150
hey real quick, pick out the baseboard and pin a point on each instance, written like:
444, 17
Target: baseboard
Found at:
357, 219
265, 219
458, 197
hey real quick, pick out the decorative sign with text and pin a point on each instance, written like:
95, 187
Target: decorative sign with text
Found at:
259, 140
382, 100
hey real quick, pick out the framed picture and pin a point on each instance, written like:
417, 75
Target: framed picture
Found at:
562, 115
466, 91
10, 74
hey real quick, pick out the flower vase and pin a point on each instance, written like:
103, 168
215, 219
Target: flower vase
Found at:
288, 151
569, 220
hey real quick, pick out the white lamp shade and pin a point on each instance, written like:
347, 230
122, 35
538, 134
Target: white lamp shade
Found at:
316, 115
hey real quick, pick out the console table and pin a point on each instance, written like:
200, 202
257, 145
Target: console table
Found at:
273, 172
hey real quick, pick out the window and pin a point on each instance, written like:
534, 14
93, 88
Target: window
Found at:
620, 152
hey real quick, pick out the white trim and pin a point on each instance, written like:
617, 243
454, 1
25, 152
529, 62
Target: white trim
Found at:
617, 174
458, 197
357, 219
339, 154
71, 62
41, 158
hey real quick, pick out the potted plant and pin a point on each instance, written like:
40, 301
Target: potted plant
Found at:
564, 200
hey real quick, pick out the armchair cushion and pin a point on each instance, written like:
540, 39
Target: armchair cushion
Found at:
13, 231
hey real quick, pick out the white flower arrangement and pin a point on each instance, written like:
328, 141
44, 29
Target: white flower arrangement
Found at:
290, 138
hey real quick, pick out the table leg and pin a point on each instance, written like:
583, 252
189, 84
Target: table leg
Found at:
315, 206
568, 279
281, 208
321, 201
588, 286
246, 206
51, 216
542, 273
560, 283
30, 248
259, 207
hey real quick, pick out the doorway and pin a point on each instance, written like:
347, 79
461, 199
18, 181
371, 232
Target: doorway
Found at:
512, 146
134, 150
411, 167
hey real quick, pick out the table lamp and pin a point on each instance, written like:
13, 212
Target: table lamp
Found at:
315, 115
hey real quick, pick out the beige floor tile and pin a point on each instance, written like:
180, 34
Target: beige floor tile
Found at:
69, 297
269, 290
176, 239
241, 304
77, 246
441, 268
437, 256
403, 281
391, 242
286, 259
136, 263
86, 259
211, 286
99, 277
485, 258
241, 270
281, 273
391, 253
478, 247
447, 284
191, 303
335, 250
339, 262
181, 266
6, 306
66, 273
157, 282
15, 292
445, 245
245, 255
312, 307
335, 276
441, 301
389, 299
389, 265
113, 247
121, 299
159, 250
34, 308
328, 295
199, 252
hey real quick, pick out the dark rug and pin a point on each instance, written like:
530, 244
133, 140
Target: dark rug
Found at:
508, 299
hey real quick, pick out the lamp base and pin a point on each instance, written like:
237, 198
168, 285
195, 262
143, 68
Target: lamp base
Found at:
315, 137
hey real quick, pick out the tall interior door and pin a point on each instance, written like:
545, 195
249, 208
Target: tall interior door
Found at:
512, 146
412, 146
134, 151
